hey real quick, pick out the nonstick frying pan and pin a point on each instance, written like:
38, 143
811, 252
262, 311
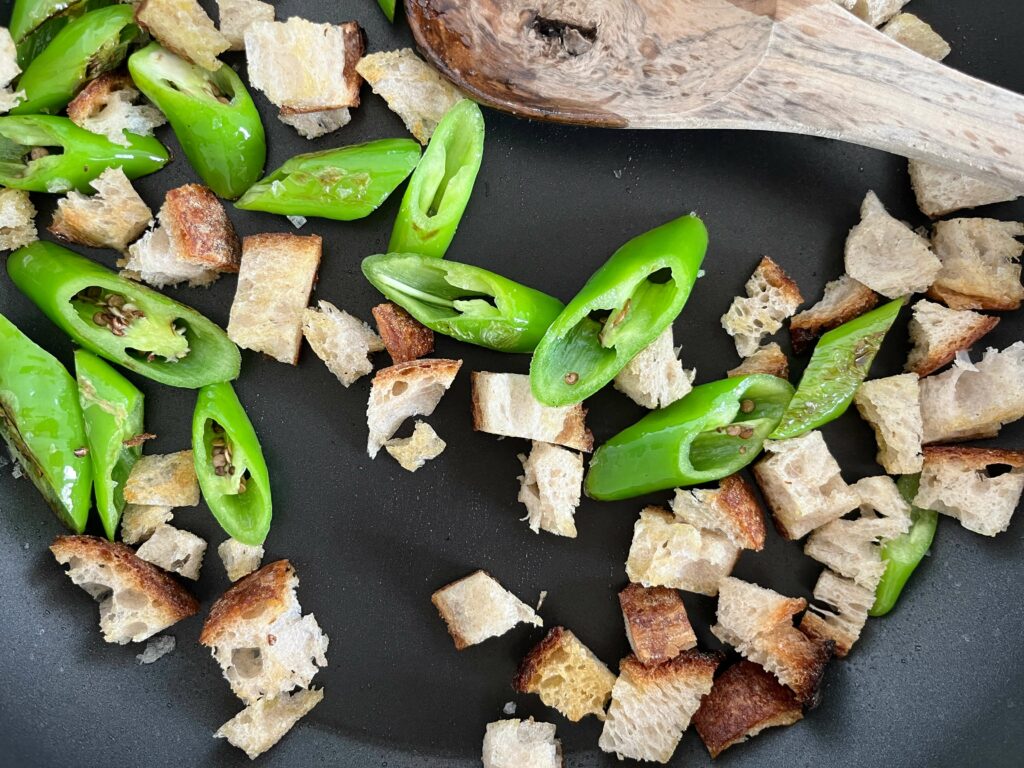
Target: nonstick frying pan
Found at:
938, 682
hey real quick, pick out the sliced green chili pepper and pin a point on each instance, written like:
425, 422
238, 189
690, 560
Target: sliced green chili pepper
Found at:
211, 113
26, 163
112, 407
230, 466
344, 184
34, 23
87, 47
462, 301
716, 430
388, 6
123, 321
622, 308
41, 422
441, 185
839, 364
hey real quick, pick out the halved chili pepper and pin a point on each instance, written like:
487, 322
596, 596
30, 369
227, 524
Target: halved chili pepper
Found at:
26, 163
87, 47
343, 184
841, 361
123, 321
714, 431
903, 554
441, 185
622, 308
462, 301
230, 465
41, 422
113, 409
388, 6
211, 113
34, 23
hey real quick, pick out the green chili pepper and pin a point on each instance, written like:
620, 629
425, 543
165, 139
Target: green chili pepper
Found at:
716, 430
462, 301
839, 364
904, 553
439, 189
641, 289
123, 321
211, 113
34, 23
87, 47
388, 6
344, 184
41, 422
26, 164
112, 407
230, 465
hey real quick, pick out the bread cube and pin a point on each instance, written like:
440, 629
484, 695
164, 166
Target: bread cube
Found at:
503, 404
237, 15
265, 722
940, 191
109, 106
520, 743
657, 626
183, 27
892, 406
844, 300
477, 608
655, 378
416, 450
550, 487
980, 263
938, 333
138, 521
239, 559
167, 480
342, 341
768, 359
404, 337
843, 620
731, 509
112, 218
772, 296
17, 219
174, 550
402, 391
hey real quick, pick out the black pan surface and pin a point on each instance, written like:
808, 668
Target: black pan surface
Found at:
936, 683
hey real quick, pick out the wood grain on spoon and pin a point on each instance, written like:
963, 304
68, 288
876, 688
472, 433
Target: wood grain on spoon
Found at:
798, 66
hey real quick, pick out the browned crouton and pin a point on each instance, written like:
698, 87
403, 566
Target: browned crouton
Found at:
656, 623
844, 300
404, 337
769, 359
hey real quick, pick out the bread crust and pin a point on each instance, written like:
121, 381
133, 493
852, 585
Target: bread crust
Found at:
404, 337
972, 457
807, 326
656, 623
429, 368
941, 355
270, 587
96, 94
200, 228
689, 662
736, 498
777, 278
536, 658
769, 359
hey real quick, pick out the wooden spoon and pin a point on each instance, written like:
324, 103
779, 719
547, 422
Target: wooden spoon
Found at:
799, 66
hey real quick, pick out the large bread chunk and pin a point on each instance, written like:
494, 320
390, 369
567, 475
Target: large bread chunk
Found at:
503, 404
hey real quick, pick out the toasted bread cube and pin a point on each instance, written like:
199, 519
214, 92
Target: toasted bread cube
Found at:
9, 70
732, 509
980, 263
652, 706
109, 106
550, 487
892, 406
655, 378
404, 337
772, 296
939, 333
17, 219
909, 30
402, 391
140, 520
174, 550
844, 619
477, 608
768, 359
875, 12
313, 125
520, 743
237, 15
183, 27
413, 452
258, 635
163, 480
503, 404
239, 559
112, 218
265, 722
940, 191
844, 300
744, 700
136, 599
343, 342
566, 675
657, 626
275, 279
959, 482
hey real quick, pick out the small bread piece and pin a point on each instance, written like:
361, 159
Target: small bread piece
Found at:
239, 559
313, 125
940, 191
657, 626
9, 70
113, 217
655, 378
958, 481
909, 30
844, 299
772, 296
939, 333
521, 744
666, 552
174, 550
886, 255
980, 263
731, 509
258, 635
405, 338
844, 618
402, 391
109, 106
892, 406
343, 342
183, 27
477, 608
652, 706
136, 599
566, 675
275, 279
769, 359
802, 484
140, 520
550, 487
874, 12
164, 480
744, 701
503, 404
237, 15
974, 400
265, 722
17, 219
758, 622
415, 451
412, 89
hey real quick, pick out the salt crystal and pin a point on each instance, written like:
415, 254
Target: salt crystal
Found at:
297, 221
